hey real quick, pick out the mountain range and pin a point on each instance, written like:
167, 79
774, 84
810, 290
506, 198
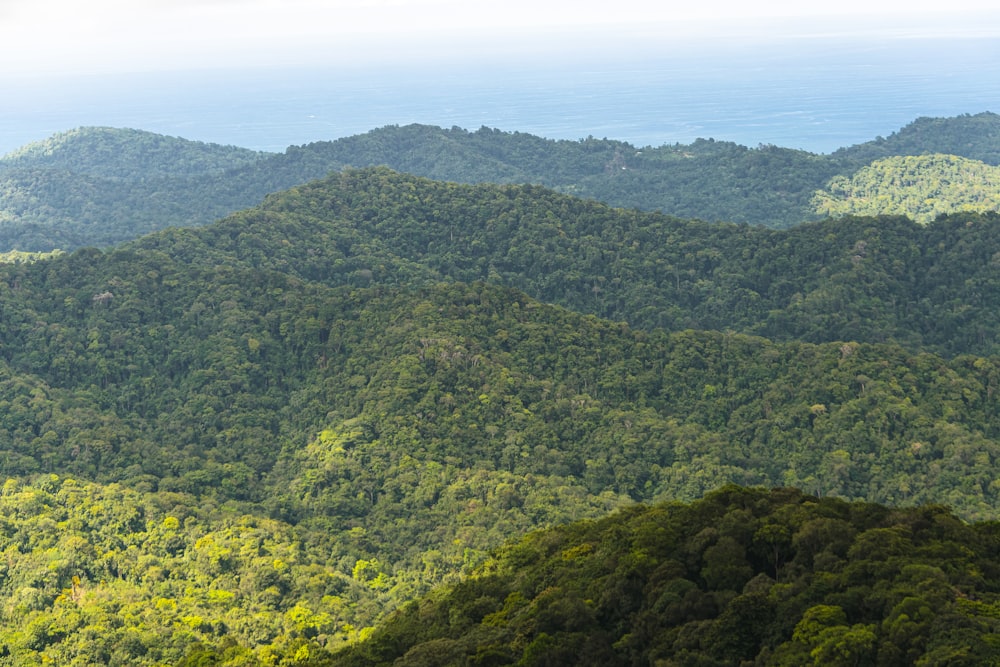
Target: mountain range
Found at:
101, 186
261, 440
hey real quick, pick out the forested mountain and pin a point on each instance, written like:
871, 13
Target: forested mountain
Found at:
710, 180
128, 155
253, 439
920, 187
742, 577
101, 186
973, 136
854, 279
98, 186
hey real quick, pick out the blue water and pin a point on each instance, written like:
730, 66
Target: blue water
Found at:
815, 96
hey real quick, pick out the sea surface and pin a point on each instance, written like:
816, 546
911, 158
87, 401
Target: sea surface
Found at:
816, 96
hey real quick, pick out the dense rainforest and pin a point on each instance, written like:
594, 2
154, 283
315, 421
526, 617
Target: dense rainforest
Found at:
922, 187
101, 186
249, 442
743, 577
127, 155
866, 279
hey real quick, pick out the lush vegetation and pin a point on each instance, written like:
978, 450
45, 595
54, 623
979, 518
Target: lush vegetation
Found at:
711, 180
97, 186
107, 575
919, 187
127, 155
742, 577
973, 136
854, 279
248, 442
100, 186
19, 256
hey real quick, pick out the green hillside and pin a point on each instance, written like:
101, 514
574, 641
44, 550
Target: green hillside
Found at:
63, 200
710, 180
862, 279
260, 441
127, 155
742, 577
257, 438
920, 187
973, 136
100, 186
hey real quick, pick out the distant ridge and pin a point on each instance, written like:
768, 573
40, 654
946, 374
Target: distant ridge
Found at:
129, 155
100, 186
974, 136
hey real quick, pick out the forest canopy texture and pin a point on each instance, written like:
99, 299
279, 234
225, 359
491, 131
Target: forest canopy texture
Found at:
323, 430
101, 186
741, 577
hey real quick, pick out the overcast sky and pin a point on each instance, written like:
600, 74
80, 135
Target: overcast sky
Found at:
133, 35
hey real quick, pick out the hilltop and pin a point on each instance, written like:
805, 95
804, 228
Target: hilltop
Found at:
973, 136
127, 155
99, 186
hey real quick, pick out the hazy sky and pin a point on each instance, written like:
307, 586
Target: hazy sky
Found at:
107, 35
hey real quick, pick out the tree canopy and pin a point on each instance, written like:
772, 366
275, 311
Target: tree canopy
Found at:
745, 576
101, 186
249, 443
919, 187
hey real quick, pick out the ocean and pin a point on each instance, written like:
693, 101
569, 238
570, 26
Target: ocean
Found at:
816, 96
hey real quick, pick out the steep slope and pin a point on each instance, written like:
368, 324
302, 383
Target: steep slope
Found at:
742, 577
920, 187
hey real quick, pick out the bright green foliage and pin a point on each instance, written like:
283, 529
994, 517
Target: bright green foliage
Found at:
19, 256
104, 575
900, 587
919, 187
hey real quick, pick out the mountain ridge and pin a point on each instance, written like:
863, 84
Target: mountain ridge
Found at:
857, 278
711, 180
126, 154
248, 442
